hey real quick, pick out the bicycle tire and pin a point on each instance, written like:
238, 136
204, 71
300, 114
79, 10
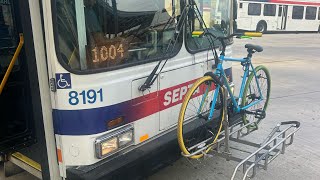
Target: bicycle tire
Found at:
262, 73
186, 140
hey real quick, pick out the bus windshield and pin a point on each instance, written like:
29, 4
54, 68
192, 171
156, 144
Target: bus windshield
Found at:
109, 34
216, 15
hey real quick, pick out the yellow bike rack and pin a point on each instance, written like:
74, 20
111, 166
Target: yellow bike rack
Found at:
13, 61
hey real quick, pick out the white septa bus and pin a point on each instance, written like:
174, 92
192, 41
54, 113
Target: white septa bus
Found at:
73, 104
278, 15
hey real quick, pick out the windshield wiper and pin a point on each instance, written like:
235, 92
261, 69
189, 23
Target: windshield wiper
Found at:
154, 75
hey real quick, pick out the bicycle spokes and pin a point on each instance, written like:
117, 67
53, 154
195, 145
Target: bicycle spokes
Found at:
256, 95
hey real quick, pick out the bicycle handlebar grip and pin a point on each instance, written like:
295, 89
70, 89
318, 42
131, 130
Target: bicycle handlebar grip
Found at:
297, 124
253, 34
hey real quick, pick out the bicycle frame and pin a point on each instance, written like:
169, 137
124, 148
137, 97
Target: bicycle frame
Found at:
220, 72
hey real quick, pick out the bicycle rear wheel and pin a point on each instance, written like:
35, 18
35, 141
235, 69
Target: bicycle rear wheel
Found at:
201, 131
251, 93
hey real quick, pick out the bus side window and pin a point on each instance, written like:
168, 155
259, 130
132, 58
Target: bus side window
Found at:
280, 11
311, 13
269, 10
297, 12
254, 9
319, 13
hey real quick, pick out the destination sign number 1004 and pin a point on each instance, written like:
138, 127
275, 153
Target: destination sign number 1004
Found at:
106, 53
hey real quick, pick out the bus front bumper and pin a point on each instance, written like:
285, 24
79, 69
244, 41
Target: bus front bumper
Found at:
138, 163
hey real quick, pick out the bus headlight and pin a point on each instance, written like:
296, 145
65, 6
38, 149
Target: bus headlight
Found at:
115, 141
109, 146
125, 138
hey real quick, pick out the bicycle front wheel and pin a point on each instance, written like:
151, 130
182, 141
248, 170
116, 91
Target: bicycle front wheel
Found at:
251, 93
201, 131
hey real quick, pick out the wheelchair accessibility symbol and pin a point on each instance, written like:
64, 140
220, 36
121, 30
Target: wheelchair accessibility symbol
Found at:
63, 81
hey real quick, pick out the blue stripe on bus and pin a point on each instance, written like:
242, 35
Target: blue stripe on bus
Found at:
94, 121
86, 121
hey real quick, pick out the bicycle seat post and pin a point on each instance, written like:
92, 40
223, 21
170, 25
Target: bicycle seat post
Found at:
250, 53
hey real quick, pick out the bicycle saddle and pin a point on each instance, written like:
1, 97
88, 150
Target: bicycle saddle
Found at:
251, 47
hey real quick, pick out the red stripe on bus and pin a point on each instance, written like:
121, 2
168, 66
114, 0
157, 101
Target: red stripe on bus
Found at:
154, 102
158, 101
174, 95
295, 2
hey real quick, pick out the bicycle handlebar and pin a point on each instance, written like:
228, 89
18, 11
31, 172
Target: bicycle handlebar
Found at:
238, 35
222, 38
248, 34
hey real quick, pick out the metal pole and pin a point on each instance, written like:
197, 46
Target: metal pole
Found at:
12, 62
225, 120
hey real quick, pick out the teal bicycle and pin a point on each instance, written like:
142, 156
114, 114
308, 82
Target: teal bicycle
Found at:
203, 103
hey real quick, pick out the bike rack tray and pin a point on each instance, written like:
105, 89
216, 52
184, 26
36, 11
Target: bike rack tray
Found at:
264, 153
259, 155
275, 144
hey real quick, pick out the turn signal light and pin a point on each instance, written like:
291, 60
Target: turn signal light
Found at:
115, 122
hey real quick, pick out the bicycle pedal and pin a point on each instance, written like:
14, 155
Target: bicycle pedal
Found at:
260, 114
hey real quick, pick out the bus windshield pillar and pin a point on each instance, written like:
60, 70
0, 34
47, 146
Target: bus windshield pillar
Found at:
81, 27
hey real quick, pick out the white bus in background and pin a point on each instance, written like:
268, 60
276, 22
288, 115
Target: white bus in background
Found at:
278, 15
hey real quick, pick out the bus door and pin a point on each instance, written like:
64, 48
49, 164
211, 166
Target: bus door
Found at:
282, 17
16, 126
